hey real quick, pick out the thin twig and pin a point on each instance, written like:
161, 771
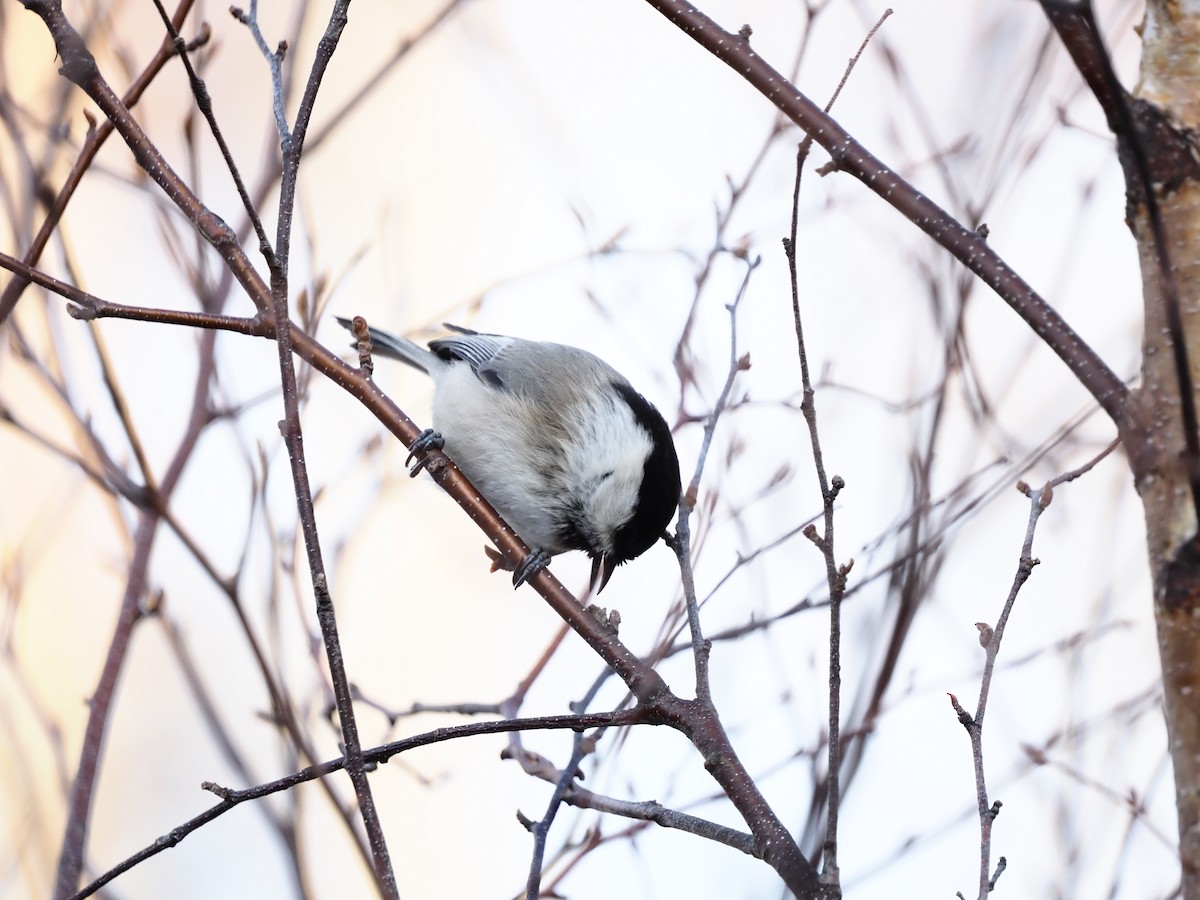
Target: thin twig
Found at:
274, 60
232, 798
683, 539
990, 638
835, 575
738, 190
87, 153
292, 145
204, 104
89, 306
643, 811
581, 746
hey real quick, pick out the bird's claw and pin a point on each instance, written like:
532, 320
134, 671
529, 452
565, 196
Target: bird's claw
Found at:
426, 441
537, 560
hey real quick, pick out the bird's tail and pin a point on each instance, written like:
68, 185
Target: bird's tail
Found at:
394, 347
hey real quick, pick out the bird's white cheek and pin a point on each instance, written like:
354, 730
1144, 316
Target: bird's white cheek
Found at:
613, 503
605, 466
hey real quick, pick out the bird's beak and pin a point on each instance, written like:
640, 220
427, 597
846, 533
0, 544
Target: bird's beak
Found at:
602, 569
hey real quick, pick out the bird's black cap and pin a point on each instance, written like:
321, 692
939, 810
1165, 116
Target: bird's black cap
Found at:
659, 494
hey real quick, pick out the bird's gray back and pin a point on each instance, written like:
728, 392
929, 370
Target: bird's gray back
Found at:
538, 372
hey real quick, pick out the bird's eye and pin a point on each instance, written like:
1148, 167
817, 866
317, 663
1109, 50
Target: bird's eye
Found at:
606, 475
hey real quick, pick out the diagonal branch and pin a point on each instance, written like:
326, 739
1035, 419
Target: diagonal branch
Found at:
850, 156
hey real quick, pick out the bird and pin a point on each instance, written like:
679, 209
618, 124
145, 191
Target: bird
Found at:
558, 441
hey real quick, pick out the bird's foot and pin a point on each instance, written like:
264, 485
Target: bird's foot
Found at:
426, 441
537, 560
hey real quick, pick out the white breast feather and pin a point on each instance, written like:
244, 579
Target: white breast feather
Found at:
484, 436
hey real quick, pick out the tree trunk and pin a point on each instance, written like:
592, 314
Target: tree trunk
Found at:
1165, 107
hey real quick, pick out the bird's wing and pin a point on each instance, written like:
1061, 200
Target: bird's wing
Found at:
482, 352
551, 375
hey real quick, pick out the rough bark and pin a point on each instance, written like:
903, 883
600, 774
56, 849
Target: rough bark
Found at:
1166, 109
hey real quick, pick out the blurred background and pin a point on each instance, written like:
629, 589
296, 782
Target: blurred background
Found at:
583, 173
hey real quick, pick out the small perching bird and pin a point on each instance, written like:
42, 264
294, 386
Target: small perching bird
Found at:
559, 442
